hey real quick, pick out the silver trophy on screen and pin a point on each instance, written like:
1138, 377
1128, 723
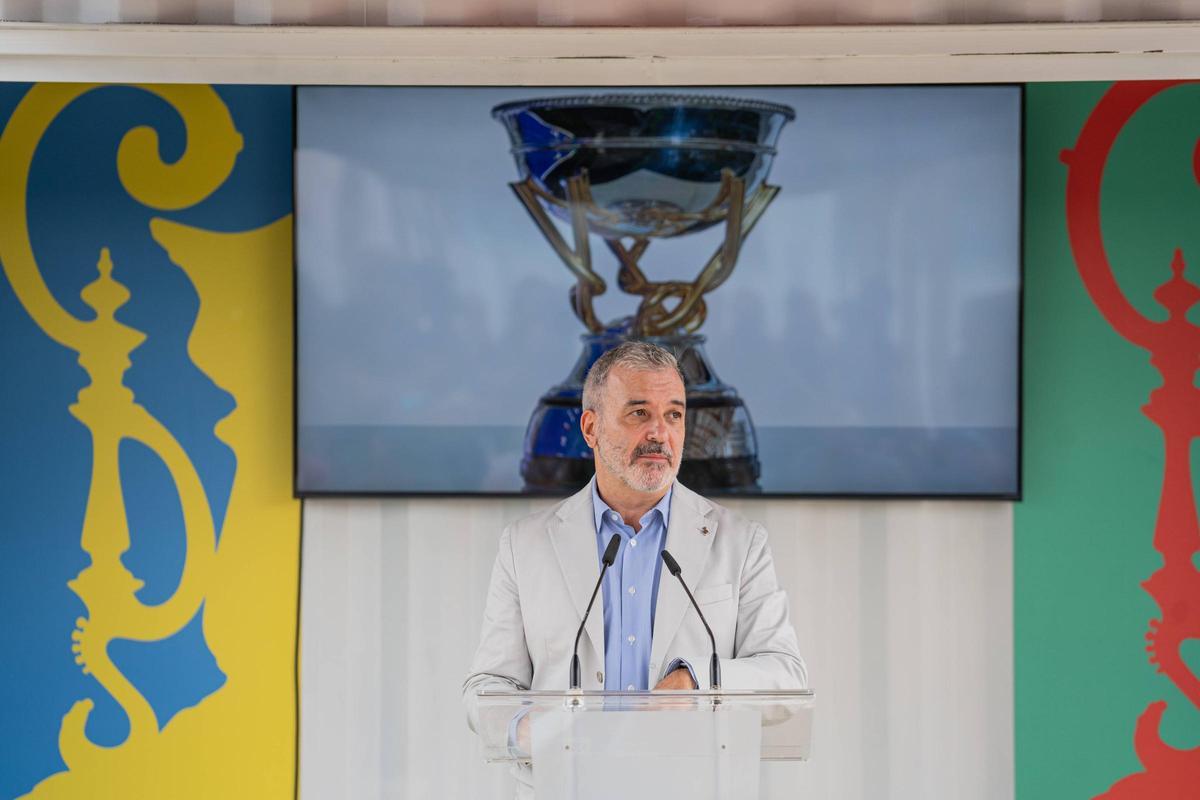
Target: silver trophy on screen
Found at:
631, 168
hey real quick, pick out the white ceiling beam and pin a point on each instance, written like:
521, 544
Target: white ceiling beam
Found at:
600, 56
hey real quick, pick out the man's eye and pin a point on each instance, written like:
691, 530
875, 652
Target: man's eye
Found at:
640, 411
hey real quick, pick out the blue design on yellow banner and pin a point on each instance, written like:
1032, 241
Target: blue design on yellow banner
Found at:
148, 538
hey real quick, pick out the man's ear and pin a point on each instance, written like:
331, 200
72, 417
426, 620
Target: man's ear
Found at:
587, 424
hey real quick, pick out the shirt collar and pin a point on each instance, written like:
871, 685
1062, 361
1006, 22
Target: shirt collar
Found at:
663, 507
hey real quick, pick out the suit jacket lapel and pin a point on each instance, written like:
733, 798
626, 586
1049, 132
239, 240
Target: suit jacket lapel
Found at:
573, 535
689, 544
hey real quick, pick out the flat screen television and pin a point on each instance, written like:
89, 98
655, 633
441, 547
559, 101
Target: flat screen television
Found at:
838, 270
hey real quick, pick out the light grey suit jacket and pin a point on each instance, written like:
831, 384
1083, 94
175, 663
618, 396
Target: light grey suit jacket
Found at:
548, 565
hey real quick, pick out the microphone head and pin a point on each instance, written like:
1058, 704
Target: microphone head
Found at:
672, 565
610, 552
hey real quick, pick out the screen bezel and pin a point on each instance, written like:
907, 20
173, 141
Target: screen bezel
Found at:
1014, 496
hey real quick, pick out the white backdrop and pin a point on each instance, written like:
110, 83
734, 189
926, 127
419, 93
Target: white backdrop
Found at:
903, 609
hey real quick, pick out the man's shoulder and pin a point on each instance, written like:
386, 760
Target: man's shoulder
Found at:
539, 522
534, 521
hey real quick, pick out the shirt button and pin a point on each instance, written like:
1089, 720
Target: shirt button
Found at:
632, 638
629, 688
633, 542
632, 590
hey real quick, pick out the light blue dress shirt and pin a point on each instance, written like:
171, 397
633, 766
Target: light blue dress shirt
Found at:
630, 591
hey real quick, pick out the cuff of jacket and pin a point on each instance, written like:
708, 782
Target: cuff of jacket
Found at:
679, 662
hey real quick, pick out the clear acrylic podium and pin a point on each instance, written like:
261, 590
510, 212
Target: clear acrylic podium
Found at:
633, 745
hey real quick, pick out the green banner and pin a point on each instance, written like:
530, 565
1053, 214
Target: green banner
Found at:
1093, 461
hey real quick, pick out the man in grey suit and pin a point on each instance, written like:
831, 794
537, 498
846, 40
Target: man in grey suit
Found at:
648, 635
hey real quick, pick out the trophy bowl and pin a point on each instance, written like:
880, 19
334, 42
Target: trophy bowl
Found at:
657, 165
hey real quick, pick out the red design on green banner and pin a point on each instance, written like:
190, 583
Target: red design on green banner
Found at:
1174, 346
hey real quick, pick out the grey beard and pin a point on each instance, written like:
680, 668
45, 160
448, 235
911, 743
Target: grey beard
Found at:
628, 473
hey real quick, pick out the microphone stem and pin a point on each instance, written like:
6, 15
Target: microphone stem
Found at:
714, 664
576, 680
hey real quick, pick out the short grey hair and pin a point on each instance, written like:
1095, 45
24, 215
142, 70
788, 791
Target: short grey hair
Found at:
635, 355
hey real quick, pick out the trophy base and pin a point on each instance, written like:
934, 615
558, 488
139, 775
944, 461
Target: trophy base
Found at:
720, 452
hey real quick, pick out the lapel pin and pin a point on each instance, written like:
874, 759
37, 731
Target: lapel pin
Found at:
704, 531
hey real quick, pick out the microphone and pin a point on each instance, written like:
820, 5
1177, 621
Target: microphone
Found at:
714, 664
610, 555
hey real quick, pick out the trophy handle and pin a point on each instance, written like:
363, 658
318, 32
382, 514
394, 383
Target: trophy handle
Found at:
578, 258
689, 313
652, 318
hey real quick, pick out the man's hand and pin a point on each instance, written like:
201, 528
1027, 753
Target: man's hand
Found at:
680, 678
524, 743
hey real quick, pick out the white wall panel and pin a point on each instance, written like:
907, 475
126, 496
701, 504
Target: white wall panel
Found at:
903, 609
